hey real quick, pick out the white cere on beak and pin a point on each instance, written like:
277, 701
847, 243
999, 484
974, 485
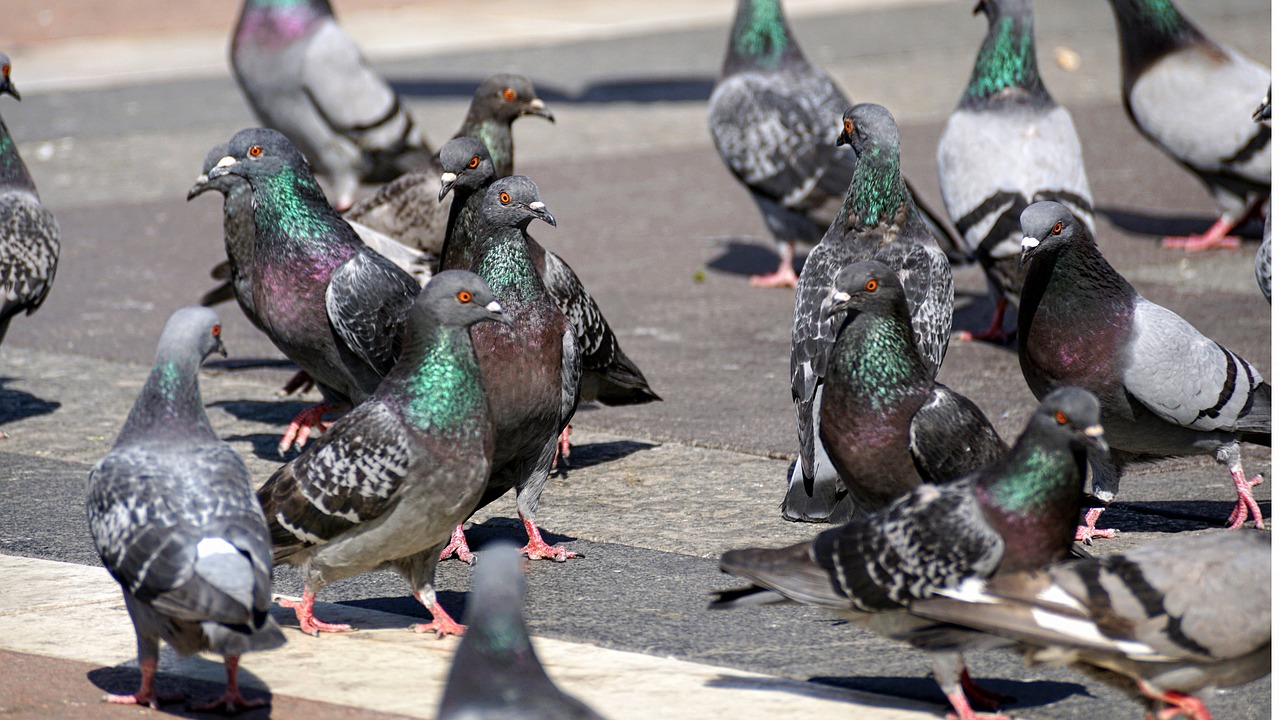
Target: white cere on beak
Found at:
493, 306
840, 296
537, 205
201, 179
1093, 431
537, 104
1030, 242
225, 161
447, 178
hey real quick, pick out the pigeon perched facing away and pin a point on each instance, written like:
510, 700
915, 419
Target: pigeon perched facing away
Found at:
304, 76
327, 301
1007, 145
1166, 390
173, 517
389, 481
769, 117
29, 235
885, 424
878, 221
1154, 617
412, 209
532, 367
1016, 514
1191, 97
496, 674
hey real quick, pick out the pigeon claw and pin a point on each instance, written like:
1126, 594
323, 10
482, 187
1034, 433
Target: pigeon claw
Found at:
1181, 705
441, 624
993, 334
307, 621
1246, 506
980, 697
1087, 531
538, 549
784, 277
299, 431
458, 546
1215, 237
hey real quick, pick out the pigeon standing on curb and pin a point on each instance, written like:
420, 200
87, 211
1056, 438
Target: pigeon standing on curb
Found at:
304, 76
386, 485
1166, 390
173, 517
328, 302
1192, 97
878, 221
1016, 514
1007, 145
496, 674
1170, 618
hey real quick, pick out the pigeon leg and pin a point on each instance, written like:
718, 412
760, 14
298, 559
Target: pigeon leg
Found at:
458, 544
1087, 531
305, 611
300, 429
538, 549
300, 383
995, 333
785, 275
1215, 237
1183, 705
231, 701
562, 448
441, 624
980, 697
146, 694
1246, 506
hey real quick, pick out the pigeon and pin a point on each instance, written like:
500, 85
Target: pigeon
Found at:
532, 368
1152, 618
29, 235
304, 76
1007, 145
496, 674
328, 302
878, 221
768, 116
173, 517
1191, 97
885, 424
1166, 390
1016, 514
1262, 260
387, 483
411, 209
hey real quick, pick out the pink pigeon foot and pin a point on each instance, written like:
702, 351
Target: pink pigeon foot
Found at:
964, 712
994, 334
458, 545
1182, 705
1215, 237
1246, 506
308, 623
441, 624
146, 694
231, 701
784, 276
980, 697
1087, 532
562, 447
300, 429
538, 549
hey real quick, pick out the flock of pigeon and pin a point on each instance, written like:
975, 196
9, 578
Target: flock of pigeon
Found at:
457, 348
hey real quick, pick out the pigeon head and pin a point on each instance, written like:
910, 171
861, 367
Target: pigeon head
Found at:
459, 297
466, 164
222, 184
257, 153
864, 287
1074, 411
514, 202
197, 328
507, 97
867, 128
6, 85
1046, 227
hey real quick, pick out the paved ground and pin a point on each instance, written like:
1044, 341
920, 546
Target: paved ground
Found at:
643, 205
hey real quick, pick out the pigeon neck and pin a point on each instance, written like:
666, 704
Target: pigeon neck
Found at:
761, 37
1074, 285
1149, 30
495, 133
877, 194
1006, 63
878, 358
292, 205
280, 21
505, 263
439, 379
13, 172
170, 402
462, 214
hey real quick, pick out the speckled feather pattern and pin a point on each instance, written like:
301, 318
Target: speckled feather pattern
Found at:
29, 238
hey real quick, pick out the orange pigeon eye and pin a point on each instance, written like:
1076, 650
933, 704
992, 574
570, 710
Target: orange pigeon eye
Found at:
216, 331
5, 70
475, 162
1057, 228
872, 284
848, 126
1061, 417
464, 296
255, 151
508, 94
505, 198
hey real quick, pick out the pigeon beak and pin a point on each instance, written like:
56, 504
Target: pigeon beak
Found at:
539, 210
6, 86
1029, 244
496, 313
222, 168
446, 183
202, 184
979, 7
836, 301
539, 108
221, 348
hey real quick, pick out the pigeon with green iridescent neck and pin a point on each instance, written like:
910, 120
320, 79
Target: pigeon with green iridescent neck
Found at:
304, 76
878, 221
532, 368
173, 517
327, 301
29, 234
496, 674
1192, 98
386, 485
1015, 514
771, 116
1166, 389
1007, 145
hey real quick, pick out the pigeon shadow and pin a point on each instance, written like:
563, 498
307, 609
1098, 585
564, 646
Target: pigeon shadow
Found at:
973, 312
18, 405
124, 679
250, 363
631, 90
278, 412
266, 446
1021, 693
1148, 223
453, 602
1171, 516
592, 454
739, 256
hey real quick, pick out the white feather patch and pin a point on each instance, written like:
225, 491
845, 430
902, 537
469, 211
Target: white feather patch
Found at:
299, 533
214, 546
1087, 631
970, 590
1056, 595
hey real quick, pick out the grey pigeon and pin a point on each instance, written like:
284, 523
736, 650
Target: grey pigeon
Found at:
1007, 145
1262, 261
327, 301
385, 486
173, 517
1170, 618
496, 674
1016, 514
1192, 97
769, 116
532, 368
411, 209
885, 424
304, 76
878, 221
1166, 390
29, 235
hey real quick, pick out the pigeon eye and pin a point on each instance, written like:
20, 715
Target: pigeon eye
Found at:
508, 94
475, 162
5, 70
464, 296
848, 126
872, 284
505, 198
216, 331
1061, 417
255, 151
1057, 228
